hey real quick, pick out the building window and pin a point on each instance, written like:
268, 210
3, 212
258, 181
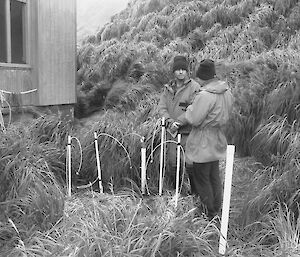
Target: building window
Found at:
13, 30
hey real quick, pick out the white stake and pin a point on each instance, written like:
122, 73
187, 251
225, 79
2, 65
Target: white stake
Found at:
2, 126
143, 165
98, 162
226, 198
163, 128
67, 168
69, 165
178, 169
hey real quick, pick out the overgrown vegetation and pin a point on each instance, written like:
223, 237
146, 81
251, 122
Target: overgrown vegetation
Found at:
121, 71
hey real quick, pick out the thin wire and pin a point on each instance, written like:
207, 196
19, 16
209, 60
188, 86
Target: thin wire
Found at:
21, 93
88, 185
133, 133
184, 160
168, 141
153, 137
81, 154
105, 134
147, 162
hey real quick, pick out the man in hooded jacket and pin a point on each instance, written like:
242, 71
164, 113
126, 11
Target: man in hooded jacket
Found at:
206, 143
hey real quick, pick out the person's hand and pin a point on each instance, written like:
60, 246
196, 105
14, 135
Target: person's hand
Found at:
174, 126
169, 122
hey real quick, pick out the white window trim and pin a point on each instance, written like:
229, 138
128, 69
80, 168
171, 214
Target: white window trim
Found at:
15, 65
25, 40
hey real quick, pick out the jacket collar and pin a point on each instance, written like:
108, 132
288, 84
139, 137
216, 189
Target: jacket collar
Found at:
171, 86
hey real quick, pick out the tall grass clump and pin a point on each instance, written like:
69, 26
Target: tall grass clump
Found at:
275, 183
51, 128
279, 231
130, 99
119, 143
273, 138
280, 114
31, 179
286, 227
123, 225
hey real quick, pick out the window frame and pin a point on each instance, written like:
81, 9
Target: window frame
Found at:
26, 48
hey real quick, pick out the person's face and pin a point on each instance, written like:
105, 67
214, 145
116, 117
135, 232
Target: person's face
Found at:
180, 74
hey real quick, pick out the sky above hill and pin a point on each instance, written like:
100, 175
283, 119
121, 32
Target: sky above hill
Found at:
93, 14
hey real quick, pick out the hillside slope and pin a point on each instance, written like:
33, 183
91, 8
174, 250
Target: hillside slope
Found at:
255, 44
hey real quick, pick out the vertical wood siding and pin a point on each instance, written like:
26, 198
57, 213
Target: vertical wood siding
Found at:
56, 37
52, 52
23, 79
33, 46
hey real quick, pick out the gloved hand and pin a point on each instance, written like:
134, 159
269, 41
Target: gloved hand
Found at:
174, 126
169, 122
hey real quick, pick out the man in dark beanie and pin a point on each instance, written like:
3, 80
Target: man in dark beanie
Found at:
206, 144
177, 95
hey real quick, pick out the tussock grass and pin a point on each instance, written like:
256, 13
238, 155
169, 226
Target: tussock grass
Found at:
50, 128
122, 225
128, 97
277, 232
285, 226
32, 196
271, 185
119, 145
273, 138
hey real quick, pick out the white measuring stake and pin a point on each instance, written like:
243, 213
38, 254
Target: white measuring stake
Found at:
69, 165
98, 162
143, 165
2, 126
163, 128
178, 169
226, 198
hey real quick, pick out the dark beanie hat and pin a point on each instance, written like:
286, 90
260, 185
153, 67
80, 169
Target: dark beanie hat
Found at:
206, 69
180, 63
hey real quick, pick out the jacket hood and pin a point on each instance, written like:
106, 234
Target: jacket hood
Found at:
215, 87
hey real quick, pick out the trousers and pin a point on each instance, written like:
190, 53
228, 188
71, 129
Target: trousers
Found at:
206, 183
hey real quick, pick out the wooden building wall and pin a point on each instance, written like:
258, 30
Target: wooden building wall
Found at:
18, 80
56, 51
51, 67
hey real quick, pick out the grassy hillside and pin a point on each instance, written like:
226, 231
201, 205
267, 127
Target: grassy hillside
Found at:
255, 43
